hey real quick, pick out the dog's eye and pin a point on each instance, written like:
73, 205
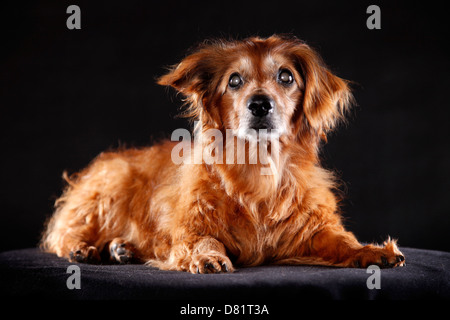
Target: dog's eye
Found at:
285, 77
235, 80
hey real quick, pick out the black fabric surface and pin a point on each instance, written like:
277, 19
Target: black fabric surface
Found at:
32, 273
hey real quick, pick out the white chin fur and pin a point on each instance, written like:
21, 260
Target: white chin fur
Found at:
258, 135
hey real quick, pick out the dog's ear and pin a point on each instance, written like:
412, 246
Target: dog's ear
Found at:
196, 78
326, 96
188, 77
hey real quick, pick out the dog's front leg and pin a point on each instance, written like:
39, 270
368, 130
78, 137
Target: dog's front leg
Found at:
209, 256
340, 248
197, 254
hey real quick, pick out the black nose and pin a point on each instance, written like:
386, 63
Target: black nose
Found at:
260, 105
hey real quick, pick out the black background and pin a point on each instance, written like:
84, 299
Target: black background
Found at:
66, 95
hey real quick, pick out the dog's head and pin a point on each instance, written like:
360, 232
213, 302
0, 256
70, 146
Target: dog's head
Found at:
279, 84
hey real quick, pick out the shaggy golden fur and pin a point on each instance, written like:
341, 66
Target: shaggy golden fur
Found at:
137, 204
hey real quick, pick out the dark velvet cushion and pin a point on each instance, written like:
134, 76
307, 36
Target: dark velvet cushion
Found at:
32, 273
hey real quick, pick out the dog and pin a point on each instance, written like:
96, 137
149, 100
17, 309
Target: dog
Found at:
136, 205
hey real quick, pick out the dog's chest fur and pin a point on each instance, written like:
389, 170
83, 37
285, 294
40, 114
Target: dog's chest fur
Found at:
254, 227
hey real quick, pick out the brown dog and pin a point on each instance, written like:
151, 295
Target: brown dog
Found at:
208, 217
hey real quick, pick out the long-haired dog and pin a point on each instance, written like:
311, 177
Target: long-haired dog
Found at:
138, 204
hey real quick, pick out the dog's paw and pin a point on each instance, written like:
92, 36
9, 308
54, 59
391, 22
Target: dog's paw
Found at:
386, 256
210, 263
84, 254
121, 251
